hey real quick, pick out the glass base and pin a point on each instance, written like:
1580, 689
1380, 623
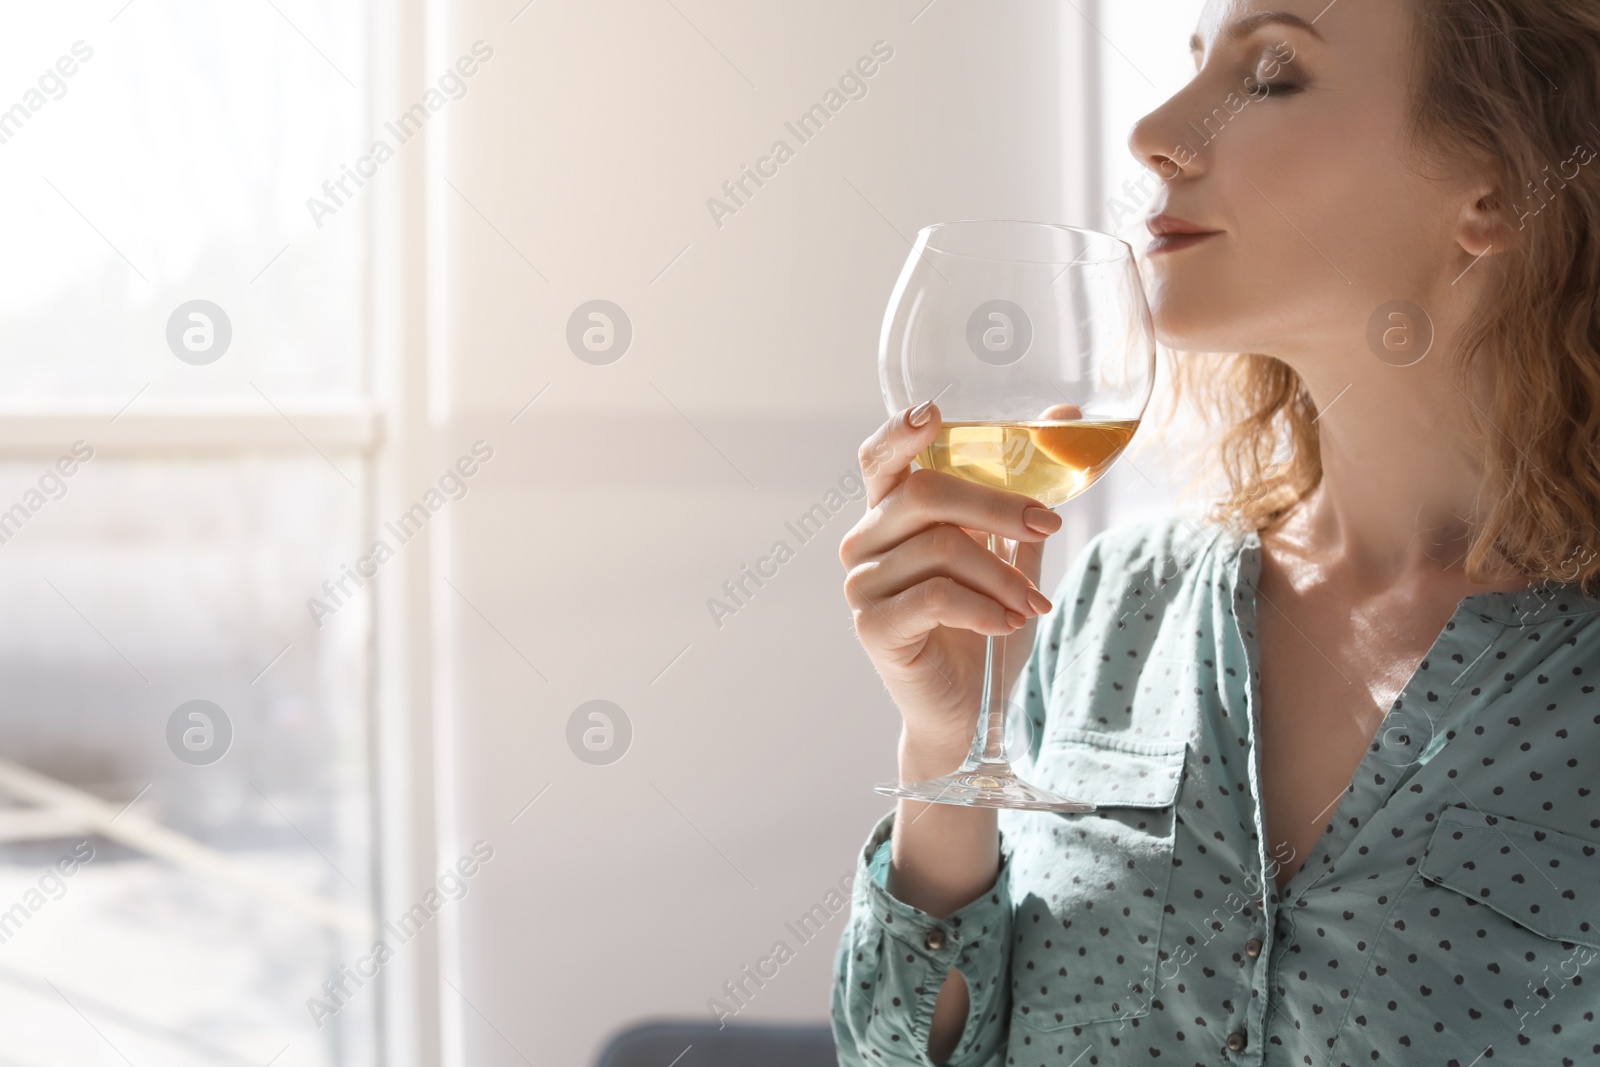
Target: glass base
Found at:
992, 785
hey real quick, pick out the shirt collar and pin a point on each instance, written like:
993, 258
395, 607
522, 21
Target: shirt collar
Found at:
1532, 606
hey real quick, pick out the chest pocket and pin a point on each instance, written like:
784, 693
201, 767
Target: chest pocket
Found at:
1545, 882
1089, 890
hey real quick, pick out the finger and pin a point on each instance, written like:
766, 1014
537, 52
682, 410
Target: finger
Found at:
1027, 557
886, 456
925, 498
907, 618
948, 551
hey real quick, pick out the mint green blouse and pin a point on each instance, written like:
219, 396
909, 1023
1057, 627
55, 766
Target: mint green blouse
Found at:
1449, 914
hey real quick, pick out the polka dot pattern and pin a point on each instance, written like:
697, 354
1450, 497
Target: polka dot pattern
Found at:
1449, 915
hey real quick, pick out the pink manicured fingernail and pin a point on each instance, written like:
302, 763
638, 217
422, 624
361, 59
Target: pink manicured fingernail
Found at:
1041, 520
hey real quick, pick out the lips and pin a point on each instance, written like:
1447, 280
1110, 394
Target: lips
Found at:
1171, 225
1177, 242
1172, 234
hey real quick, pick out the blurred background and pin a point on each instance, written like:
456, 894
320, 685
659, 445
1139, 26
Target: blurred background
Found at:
388, 393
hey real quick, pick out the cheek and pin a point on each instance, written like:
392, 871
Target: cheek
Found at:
1323, 194
1323, 221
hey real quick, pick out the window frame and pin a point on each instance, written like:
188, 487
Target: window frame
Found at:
390, 430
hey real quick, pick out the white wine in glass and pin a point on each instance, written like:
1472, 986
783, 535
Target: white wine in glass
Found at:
1036, 342
1051, 461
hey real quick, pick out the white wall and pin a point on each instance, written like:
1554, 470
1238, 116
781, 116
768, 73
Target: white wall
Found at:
627, 494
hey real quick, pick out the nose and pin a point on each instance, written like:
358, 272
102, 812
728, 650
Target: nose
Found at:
1157, 142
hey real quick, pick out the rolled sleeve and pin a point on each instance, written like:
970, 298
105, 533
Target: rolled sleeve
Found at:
892, 961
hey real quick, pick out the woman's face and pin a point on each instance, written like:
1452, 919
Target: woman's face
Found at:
1287, 141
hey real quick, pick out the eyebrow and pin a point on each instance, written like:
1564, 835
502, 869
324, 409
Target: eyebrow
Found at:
1249, 24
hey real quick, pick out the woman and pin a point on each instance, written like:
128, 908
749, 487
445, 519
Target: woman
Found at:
1341, 735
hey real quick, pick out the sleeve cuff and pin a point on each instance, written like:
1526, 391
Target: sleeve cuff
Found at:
947, 942
893, 960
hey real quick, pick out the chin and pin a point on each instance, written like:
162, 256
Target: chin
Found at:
1194, 327
1193, 313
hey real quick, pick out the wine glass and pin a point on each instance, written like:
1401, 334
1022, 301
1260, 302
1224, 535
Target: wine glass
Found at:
1036, 342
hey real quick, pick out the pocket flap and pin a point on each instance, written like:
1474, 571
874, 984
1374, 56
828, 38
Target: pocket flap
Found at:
1541, 879
1109, 770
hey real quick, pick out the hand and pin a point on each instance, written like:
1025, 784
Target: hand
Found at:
925, 590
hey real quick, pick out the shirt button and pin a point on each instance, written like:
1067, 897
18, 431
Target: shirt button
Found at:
934, 941
1236, 1041
1252, 947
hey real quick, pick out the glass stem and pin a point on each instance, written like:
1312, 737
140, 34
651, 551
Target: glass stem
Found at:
989, 744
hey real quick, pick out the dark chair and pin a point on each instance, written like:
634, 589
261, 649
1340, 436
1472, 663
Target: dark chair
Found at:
663, 1044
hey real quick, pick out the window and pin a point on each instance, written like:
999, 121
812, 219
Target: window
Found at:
188, 455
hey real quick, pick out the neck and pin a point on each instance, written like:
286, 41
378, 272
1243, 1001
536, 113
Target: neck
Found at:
1400, 486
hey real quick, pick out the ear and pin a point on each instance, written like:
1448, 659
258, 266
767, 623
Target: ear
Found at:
1490, 223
